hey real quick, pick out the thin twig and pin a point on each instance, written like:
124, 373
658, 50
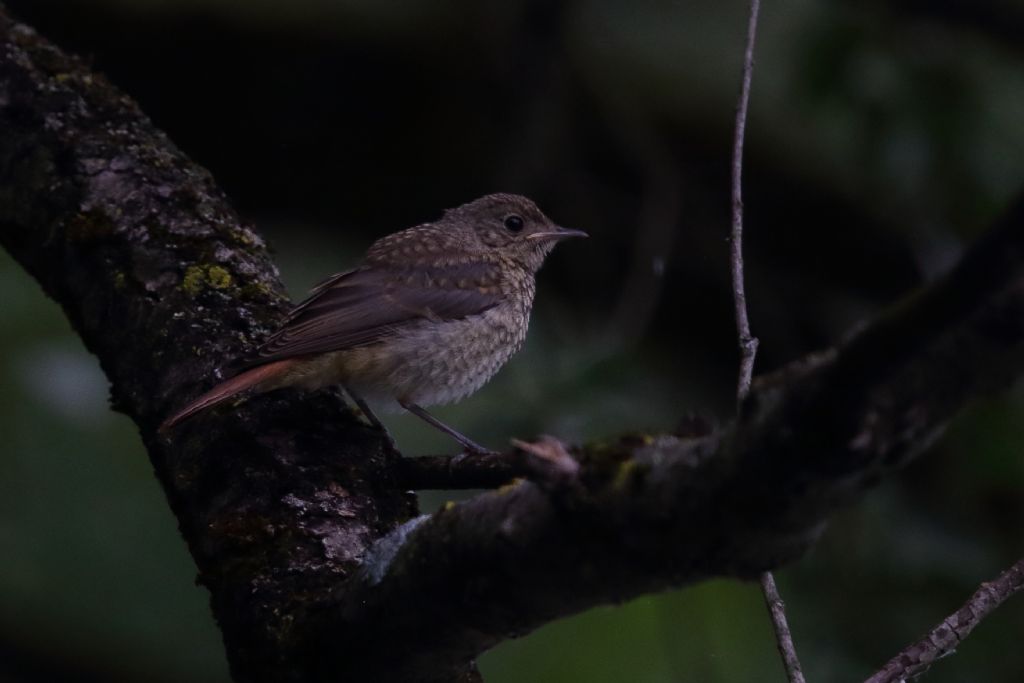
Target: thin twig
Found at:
942, 640
783, 637
747, 342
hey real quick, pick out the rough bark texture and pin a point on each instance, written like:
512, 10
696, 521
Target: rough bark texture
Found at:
290, 506
942, 641
279, 499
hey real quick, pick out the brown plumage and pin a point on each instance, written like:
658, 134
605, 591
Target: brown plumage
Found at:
427, 318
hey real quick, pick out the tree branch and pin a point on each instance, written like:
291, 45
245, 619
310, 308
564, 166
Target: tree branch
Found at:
277, 499
656, 512
290, 505
780, 624
747, 342
545, 461
943, 640
468, 471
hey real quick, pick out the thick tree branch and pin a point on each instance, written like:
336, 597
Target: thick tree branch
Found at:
651, 513
289, 504
943, 640
278, 499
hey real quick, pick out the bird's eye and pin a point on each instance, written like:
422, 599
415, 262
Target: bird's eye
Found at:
513, 223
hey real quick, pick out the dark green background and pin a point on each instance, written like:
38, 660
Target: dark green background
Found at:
884, 136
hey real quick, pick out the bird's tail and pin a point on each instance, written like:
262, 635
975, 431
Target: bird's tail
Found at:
228, 388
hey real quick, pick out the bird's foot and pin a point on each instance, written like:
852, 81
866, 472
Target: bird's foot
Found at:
469, 446
373, 420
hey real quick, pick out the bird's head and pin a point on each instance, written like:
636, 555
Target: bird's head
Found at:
511, 225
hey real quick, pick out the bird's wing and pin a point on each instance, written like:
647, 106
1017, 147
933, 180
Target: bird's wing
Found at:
362, 306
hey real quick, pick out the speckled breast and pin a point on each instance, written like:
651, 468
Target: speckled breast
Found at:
440, 362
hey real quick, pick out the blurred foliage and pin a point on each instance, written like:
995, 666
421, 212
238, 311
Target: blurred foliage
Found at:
884, 135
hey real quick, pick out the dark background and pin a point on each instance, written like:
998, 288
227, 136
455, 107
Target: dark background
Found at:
884, 136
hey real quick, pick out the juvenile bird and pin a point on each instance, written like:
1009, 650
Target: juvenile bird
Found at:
429, 316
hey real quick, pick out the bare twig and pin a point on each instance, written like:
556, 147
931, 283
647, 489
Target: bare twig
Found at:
942, 640
783, 638
747, 342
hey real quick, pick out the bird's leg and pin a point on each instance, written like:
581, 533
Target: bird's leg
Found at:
371, 417
465, 441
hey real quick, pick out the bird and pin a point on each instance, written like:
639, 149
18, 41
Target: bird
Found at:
427, 317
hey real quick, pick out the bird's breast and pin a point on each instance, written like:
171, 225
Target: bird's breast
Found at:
436, 362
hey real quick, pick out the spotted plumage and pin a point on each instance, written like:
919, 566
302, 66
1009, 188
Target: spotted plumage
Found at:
428, 317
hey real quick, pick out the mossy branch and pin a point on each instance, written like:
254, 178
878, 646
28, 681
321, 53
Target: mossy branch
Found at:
164, 283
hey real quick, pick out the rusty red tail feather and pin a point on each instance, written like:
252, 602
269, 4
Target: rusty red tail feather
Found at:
228, 388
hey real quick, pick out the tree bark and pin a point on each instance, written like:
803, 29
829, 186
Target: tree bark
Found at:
279, 499
317, 565
942, 641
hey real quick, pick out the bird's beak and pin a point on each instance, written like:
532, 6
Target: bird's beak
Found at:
559, 233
